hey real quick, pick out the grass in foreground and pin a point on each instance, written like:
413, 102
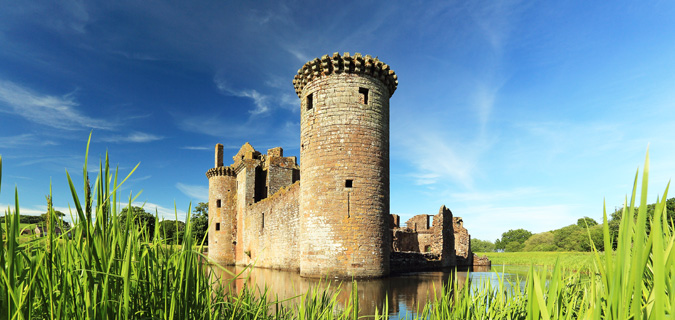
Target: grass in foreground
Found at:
105, 272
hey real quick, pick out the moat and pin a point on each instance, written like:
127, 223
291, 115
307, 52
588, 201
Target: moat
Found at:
404, 291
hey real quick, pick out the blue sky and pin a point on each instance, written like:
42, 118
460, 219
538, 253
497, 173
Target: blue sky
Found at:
512, 113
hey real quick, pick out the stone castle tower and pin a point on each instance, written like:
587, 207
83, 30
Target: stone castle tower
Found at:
344, 152
336, 221
222, 210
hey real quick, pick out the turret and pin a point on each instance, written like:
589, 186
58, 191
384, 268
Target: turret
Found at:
344, 152
222, 211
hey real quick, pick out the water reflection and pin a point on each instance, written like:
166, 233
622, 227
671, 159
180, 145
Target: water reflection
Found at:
403, 292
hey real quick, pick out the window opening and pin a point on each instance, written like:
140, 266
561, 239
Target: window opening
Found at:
363, 95
218, 203
263, 221
349, 183
427, 248
310, 101
217, 226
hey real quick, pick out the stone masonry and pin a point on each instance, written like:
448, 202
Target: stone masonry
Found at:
336, 222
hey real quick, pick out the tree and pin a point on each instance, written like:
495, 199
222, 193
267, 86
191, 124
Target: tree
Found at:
59, 219
513, 246
141, 219
200, 222
572, 238
586, 221
172, 231
540, 242
517, 236
617, 215
478, 245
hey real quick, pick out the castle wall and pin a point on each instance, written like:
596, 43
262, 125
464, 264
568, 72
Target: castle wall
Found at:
245, 197
272, 230
281, 172
463, 252
420, 222
344, 200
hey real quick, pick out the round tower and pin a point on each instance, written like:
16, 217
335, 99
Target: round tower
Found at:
344, 167
222, 211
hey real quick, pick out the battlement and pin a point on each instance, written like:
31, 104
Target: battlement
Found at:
345, 64
221, 171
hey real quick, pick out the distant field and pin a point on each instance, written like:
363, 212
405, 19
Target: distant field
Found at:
571, 260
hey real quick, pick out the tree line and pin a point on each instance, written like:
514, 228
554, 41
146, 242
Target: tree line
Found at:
576, 237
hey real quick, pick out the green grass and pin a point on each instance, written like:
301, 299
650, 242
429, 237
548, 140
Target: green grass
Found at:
569, 260
105, 272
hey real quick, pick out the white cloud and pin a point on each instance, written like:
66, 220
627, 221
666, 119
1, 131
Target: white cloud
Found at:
134, 137
196, 148
23, 140
197, 192
446, 162
57, 112
261, 101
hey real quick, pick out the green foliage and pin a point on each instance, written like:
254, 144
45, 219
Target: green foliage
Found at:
172, 231
28, 219
513, 240
200, 222
616, 216
586, 221
478, 245
540, 242
143, 220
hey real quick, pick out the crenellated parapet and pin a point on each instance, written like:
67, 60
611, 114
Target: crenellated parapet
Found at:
221, 171
337, 64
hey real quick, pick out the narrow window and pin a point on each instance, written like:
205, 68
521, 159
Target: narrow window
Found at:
363, 95
217, 226
263, 221
428, 222
218, 203
310, 102
349, 183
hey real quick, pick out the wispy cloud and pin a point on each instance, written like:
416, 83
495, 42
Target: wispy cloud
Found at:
56, 112
134, 137
196, 148
450, 162
261, 101
197, 192
23, 140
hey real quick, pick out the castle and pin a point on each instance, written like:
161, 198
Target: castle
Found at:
336, 221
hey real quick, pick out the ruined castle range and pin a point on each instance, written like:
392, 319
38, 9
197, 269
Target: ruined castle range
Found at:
335, 222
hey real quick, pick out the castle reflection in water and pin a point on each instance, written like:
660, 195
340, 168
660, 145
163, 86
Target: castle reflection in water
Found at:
403, 292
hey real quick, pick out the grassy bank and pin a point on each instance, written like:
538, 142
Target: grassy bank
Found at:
107, 270
569, 260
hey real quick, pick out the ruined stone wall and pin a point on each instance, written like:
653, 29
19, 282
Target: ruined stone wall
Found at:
405, 240
281, 171
344, 198
463, 252
420, 222
272, 229
444, 237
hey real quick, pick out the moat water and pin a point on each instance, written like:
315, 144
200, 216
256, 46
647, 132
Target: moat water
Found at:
403, 292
